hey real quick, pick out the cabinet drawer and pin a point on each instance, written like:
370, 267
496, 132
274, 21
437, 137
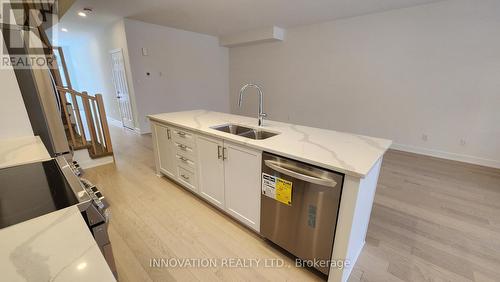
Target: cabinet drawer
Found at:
183, 137
186, 162
184, 150
186, 177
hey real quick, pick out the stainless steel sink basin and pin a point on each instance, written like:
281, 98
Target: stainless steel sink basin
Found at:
244, 131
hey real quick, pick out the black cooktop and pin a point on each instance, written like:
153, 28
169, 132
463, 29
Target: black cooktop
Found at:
32, 190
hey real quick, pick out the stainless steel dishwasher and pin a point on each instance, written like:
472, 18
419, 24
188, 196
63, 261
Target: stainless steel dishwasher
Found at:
299, 207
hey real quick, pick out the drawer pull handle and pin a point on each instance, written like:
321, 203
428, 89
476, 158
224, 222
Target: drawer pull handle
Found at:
183, 159
181, 134
182, 147
185, 177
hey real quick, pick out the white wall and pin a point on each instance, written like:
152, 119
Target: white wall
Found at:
187, 70
432, 69
193, 67
14, 121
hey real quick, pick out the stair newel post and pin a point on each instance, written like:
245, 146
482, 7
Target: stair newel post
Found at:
104, 123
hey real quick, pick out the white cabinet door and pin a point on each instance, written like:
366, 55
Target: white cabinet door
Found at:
242, 182
165, 150
211, 169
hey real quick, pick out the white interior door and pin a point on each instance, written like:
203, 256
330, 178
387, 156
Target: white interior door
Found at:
121, 88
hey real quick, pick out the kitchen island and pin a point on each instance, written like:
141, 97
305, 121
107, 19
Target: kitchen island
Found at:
225, 169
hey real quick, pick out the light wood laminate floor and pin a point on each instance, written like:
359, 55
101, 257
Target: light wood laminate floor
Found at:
433, 220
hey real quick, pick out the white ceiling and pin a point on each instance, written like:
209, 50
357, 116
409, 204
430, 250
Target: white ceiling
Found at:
224, 17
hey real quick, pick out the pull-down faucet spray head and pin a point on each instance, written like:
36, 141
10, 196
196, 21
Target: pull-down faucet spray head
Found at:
261, 114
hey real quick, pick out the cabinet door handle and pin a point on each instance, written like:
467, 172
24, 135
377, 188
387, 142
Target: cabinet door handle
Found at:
181, 134
185, 177
168, 134
183, 159
219, 155
182, 147
224, 153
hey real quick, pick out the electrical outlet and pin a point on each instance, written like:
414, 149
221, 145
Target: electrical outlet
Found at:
425, 137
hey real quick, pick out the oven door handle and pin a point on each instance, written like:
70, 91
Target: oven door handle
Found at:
316, 180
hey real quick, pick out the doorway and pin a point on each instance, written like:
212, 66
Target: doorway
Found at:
121, 88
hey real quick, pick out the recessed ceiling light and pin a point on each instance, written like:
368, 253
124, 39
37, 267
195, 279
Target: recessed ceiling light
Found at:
81, 266
64, 29
85, 12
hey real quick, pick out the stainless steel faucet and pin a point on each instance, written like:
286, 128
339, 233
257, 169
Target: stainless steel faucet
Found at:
261, 114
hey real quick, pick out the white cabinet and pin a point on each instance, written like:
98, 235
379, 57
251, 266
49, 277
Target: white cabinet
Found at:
165, 159
229, 177
225, 174
211, 169
242, 169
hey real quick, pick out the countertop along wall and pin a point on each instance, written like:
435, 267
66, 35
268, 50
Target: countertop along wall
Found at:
187, 70
427, 70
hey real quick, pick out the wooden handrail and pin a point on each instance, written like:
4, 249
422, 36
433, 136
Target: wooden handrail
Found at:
68, 90
63, 65
96, 122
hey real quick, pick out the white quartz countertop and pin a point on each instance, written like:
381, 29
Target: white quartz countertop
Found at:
347, 153
23, 150
55, 247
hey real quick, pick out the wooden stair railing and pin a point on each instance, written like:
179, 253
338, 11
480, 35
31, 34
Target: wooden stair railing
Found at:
95, 124
95, 116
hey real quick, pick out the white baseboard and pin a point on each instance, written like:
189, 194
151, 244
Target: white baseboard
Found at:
119, 124
114, 122
447, 155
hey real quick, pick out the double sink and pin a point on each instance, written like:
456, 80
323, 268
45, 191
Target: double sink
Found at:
243, 131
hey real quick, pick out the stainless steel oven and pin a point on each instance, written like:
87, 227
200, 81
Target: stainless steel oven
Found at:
94, 208
299, 207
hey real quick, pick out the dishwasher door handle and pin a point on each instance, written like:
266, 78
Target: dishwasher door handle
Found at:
316, 180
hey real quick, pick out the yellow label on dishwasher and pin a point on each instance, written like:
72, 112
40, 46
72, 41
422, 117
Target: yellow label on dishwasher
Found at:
284, 191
